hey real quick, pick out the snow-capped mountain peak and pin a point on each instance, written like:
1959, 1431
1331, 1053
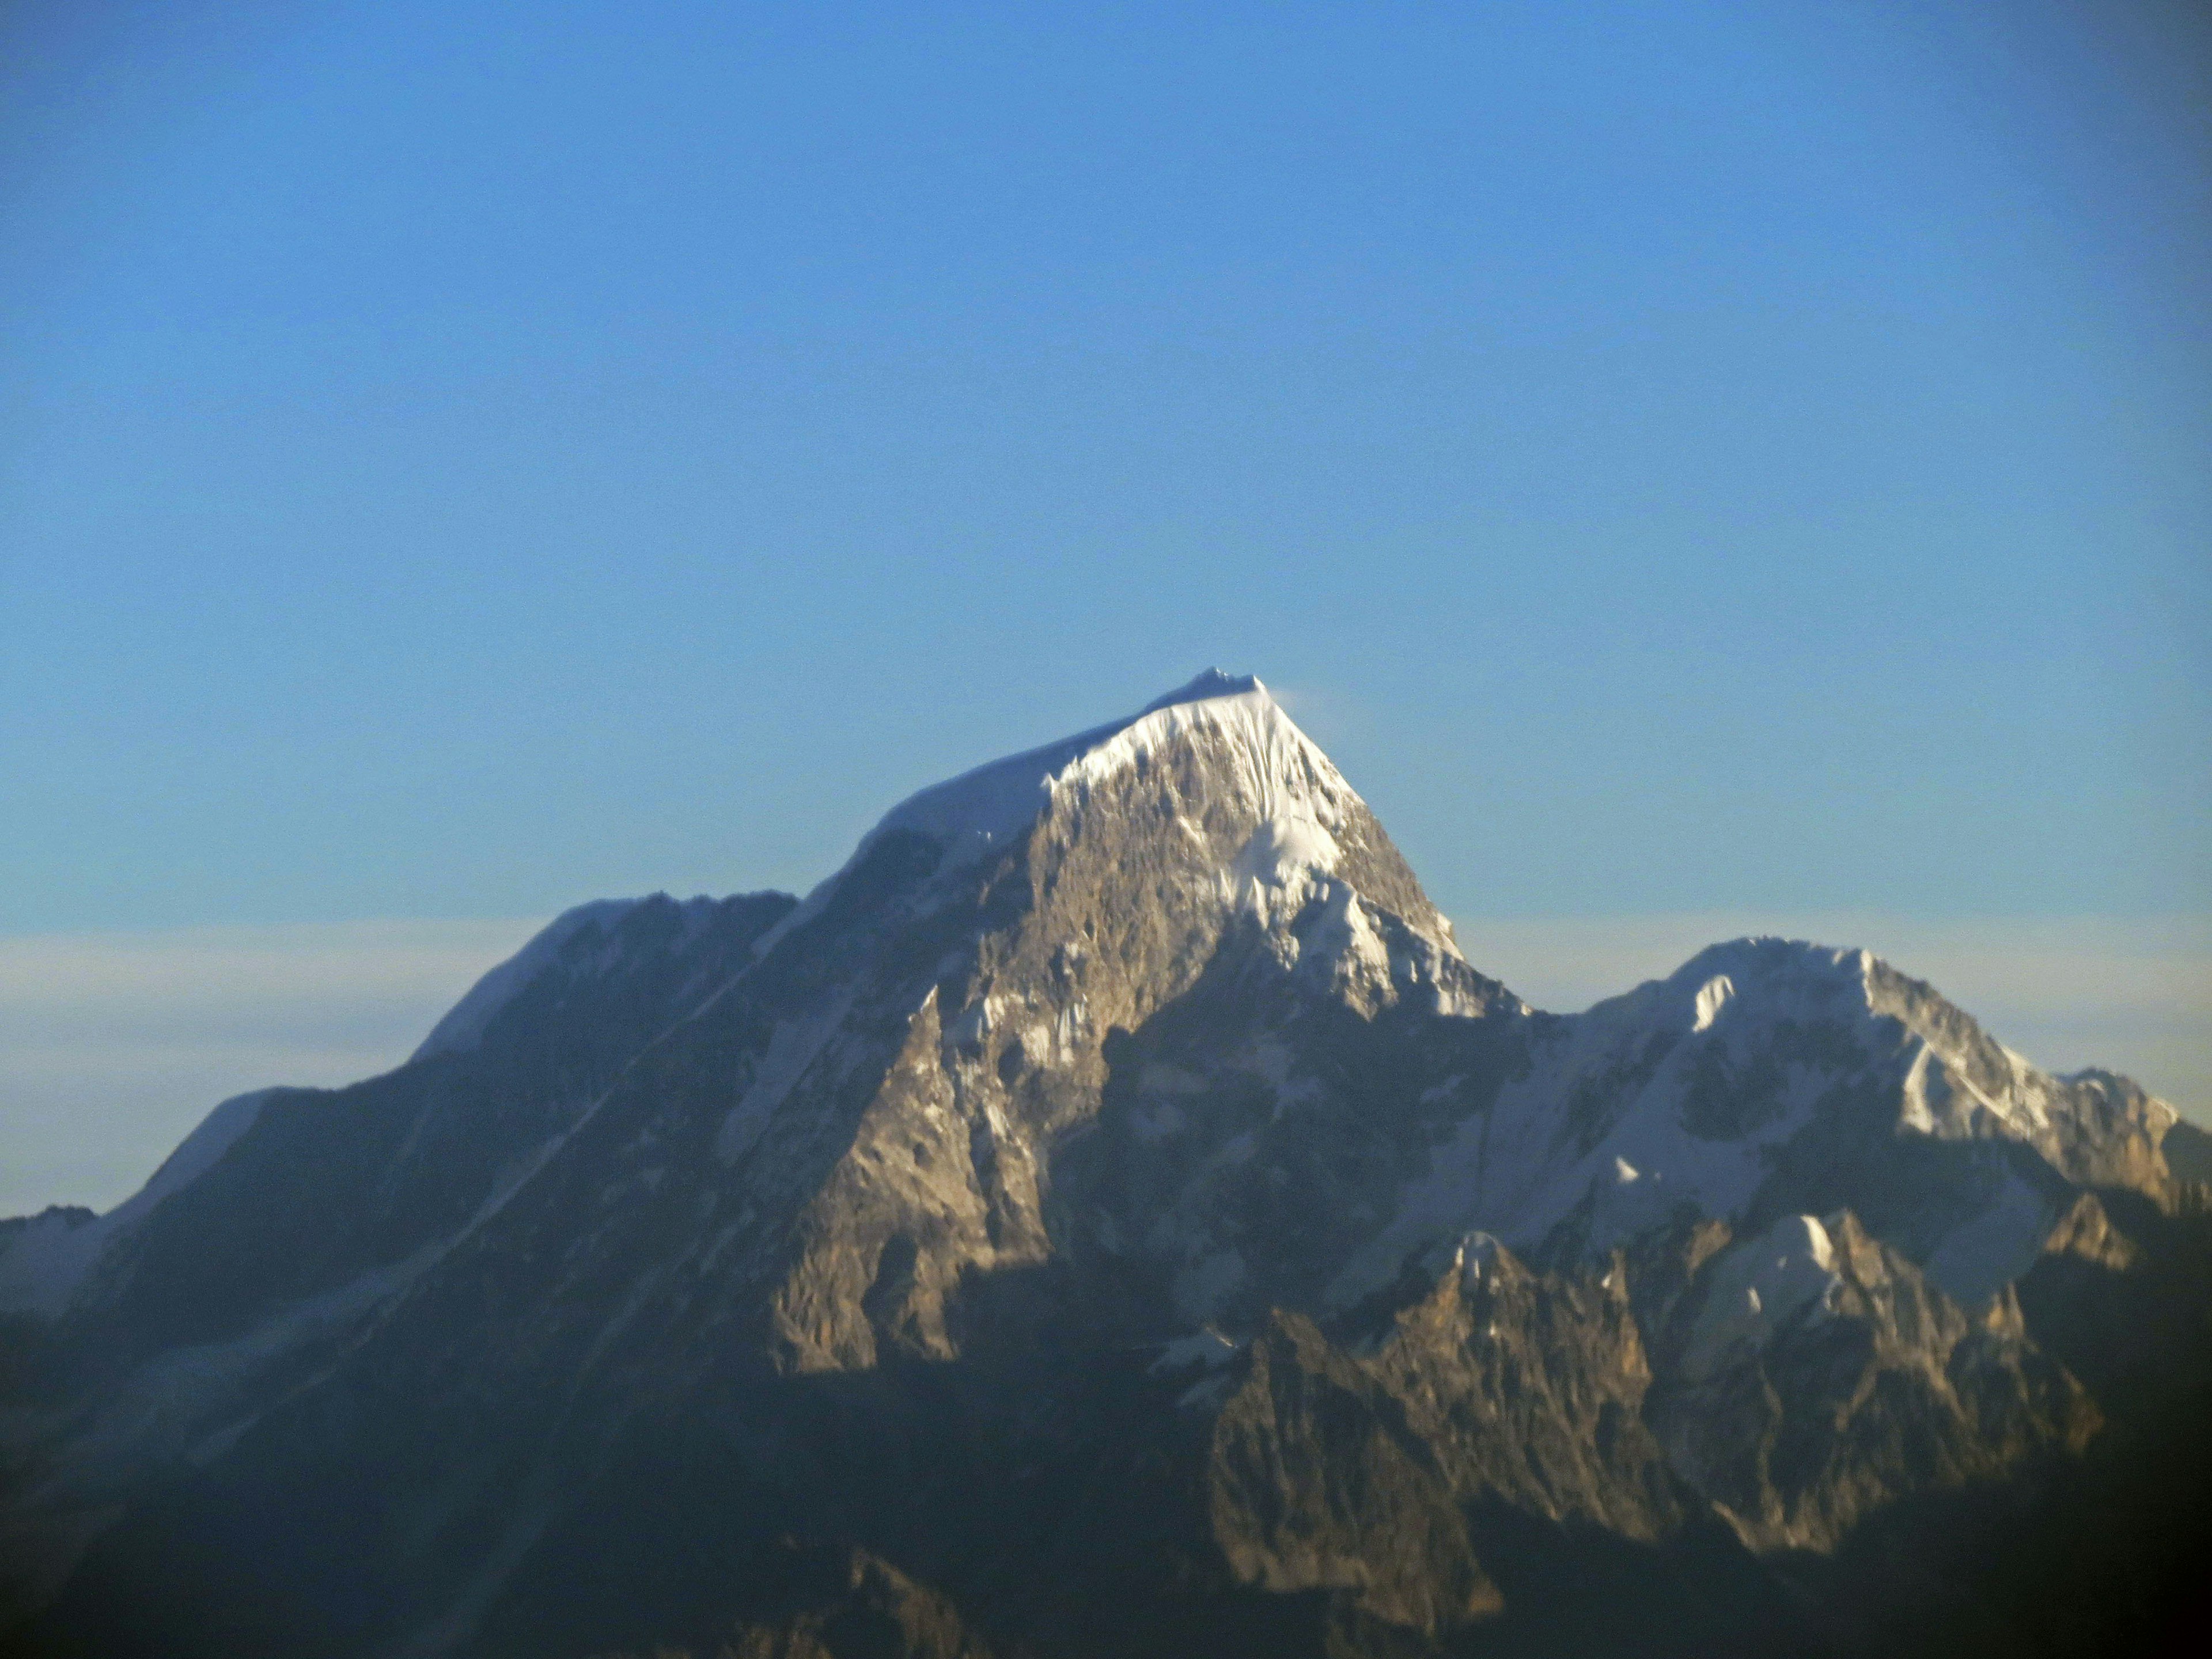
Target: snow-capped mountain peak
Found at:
1205, 685
1260, 805
984, 808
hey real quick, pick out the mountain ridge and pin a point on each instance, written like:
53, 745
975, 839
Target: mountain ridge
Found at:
1086, 1120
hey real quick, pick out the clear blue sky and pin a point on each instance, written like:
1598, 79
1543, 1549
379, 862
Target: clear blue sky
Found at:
457, 459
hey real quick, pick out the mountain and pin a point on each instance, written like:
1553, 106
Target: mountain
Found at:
1108, 1216
1766, 1078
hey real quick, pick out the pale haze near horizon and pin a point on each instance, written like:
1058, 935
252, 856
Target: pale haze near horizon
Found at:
116, 1044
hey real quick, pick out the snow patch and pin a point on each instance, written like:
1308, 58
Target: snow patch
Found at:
1473, 1256
1285, 847
1344, 947
1205, 1346
1759, 1287
1915, 1115
792, 1047
1712, 997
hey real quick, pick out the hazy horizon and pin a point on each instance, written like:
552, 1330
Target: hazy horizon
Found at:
116, 1044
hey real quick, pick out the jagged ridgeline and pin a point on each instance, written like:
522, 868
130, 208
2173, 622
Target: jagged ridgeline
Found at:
1108, 1216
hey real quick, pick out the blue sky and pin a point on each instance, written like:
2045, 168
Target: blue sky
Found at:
459, 460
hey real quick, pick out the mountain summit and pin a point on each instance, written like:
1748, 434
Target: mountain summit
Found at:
1109, 1215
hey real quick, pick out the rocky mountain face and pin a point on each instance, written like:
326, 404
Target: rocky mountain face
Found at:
1109, 1216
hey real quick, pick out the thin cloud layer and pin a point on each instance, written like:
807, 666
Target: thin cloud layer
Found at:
113, 1045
